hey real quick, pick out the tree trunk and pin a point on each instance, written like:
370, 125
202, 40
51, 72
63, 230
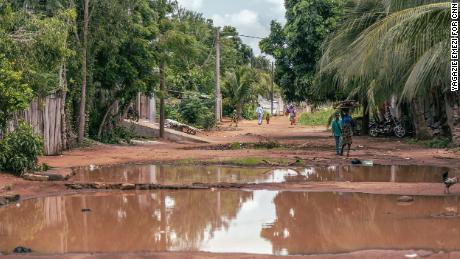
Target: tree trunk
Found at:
106, 115
162, 99
239, 110
452, 102
422, 131
82, 115
63, 95
365, 126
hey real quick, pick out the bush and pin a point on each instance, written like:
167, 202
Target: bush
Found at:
195, 111
20, 149
249, 112
190, 109
319, 118
172, 112
118, 134
207, 120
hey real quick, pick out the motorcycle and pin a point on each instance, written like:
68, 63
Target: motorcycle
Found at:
388, 127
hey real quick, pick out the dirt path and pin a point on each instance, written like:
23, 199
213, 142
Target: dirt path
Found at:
308, 143
313, 146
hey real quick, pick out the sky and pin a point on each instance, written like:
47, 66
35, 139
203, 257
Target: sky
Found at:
250, 17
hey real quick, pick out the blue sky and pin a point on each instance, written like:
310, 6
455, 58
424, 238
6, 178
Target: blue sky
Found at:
250, 17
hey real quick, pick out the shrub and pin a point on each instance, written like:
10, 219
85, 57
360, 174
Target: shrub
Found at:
249, 112
118, 134
318, 118
19, 150
197, 112
207, 120
190, 109
172, 112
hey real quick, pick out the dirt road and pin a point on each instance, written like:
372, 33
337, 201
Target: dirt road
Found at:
312, 146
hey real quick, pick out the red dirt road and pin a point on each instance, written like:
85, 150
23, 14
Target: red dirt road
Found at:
312, 145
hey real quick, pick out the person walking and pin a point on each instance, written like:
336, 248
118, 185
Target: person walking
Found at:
347, 132
260, 114
235, 119
337, 132
291, 111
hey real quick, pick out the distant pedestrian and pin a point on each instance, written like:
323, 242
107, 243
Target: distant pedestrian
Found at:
235, 119
292, 113
346, 124
337, 132
267, 118
260, 114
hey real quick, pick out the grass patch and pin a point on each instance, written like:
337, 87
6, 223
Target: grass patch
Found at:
437, 142
247, 161
269, 144
258, 161
185, 161
410, 141
235, 146
318, 118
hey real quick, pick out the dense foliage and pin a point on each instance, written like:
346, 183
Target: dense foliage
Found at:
395, 49
98, 55
20, 149
14, 94
373, 51
297, 46
197, 111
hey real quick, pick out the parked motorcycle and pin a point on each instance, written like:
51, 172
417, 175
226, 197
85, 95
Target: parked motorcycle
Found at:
388, 127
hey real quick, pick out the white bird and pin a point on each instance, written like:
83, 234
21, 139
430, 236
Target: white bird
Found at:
448, 182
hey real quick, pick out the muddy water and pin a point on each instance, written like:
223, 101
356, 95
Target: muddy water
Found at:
210, 174
268, 222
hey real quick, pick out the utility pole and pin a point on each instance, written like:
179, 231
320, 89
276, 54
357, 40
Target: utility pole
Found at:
162, 99
84, 73
218, 93
273, 83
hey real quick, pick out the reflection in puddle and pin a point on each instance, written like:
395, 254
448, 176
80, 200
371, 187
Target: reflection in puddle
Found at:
268, 222
211, 174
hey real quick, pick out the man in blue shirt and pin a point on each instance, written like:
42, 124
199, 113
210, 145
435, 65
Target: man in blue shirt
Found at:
337, 132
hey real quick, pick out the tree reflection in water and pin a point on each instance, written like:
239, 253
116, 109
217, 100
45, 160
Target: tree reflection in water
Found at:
311, 223
150, 221
231, 221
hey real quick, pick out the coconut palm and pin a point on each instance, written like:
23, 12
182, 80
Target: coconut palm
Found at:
238, 87
388, 48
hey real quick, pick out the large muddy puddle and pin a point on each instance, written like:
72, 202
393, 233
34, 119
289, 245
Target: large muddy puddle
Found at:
166, 174
267, 222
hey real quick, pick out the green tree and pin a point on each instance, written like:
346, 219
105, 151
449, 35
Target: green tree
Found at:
238, 87
392, 48
297, 46
14, 93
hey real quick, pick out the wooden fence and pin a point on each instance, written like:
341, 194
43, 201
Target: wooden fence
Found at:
47, 118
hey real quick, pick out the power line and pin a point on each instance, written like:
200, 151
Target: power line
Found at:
252, 37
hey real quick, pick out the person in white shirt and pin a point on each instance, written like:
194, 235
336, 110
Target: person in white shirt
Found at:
260, 114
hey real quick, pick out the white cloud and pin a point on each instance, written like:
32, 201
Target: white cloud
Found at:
194, 5
247, 23
249, 17
277, 7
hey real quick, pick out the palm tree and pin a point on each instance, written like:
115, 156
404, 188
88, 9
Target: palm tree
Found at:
388, 48
238, 88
